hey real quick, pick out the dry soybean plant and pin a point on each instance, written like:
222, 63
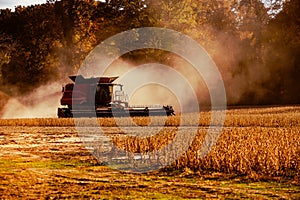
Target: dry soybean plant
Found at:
251, 143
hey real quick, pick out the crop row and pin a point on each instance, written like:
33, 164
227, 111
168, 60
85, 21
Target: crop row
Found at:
263, 117
251, 150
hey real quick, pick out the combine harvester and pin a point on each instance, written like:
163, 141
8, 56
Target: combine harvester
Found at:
101, 97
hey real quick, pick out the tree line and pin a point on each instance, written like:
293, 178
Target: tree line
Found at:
256, 47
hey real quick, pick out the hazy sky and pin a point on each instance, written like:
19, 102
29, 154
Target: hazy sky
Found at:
12, 3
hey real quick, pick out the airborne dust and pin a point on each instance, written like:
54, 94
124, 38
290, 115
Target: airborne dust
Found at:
40, 103
44, 100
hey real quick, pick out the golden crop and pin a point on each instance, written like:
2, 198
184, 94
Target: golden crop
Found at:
253, 141
264, 117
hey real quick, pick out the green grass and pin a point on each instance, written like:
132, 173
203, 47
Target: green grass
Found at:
74, 179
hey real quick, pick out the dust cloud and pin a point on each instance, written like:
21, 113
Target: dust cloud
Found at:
40, 103
155, 93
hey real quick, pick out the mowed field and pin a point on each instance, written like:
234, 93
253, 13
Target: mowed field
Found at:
257, 156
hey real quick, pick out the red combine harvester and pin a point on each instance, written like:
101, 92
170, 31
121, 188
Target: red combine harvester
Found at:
100, 97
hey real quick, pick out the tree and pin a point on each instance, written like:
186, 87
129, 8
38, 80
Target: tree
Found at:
34, 32
282, 53
51, 40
